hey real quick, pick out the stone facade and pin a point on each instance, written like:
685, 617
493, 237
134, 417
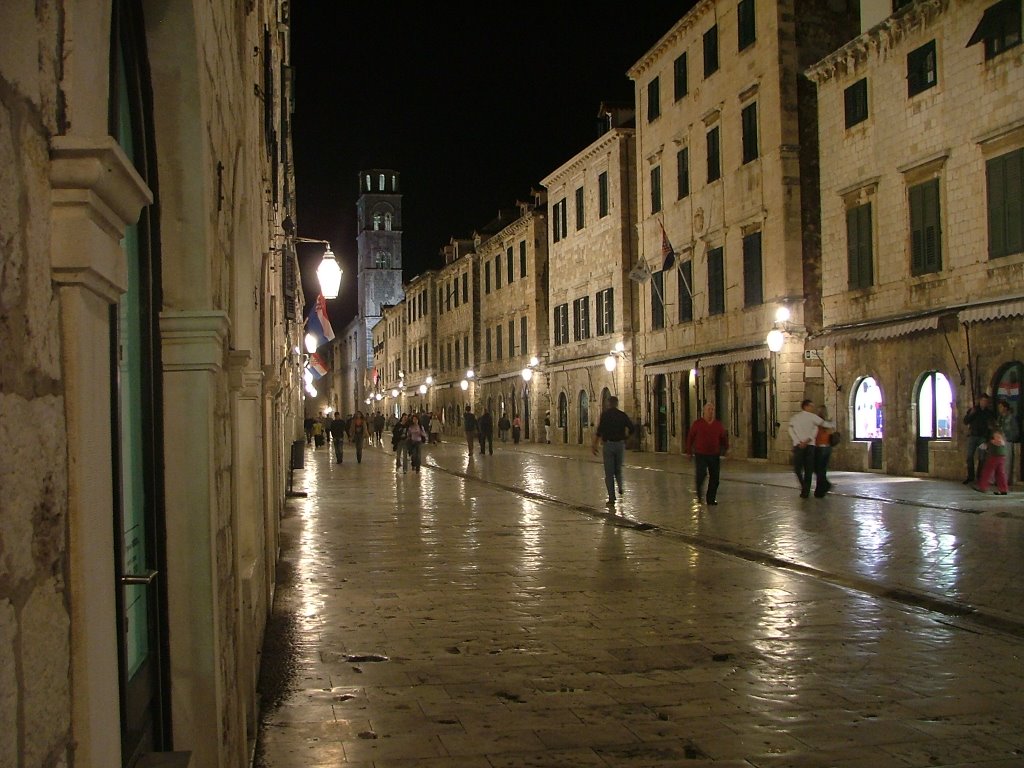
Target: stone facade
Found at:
457, 308
389, 351
591, 300
200, 382
420, 324
726, 179
511, 266
917, 335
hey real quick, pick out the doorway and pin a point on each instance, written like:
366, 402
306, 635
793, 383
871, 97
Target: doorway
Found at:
934, 400
758, 410
660, 413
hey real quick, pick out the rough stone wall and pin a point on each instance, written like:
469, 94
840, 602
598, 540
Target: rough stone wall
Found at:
35, 707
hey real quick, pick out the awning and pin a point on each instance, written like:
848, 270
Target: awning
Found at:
760, 352
671, 366
994, 311
873, 332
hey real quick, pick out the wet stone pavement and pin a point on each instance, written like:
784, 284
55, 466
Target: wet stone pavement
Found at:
493, 613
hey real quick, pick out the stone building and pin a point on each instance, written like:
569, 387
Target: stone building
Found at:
147, 402
511, 266
727, 184
389, 347
592, 301
378, 273
457, 312
922, 146
418, 358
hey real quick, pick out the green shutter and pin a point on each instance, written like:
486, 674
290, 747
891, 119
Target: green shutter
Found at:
1014, 196
852, 248
864, 250
916, 230
932, 230
996, 177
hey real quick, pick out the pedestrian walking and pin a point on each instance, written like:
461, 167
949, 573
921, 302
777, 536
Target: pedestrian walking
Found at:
415, 437
547, 426
517, 429
469, 426
613, 428
995, 465
307, 425
822, 455
435, 429
318, 433
1007, 423
803, 429
337, 430
378, 428
504, 425
357, 432
399, 443
979, 421
707, 442
485, 432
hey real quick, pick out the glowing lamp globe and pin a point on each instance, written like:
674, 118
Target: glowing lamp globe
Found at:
329, 275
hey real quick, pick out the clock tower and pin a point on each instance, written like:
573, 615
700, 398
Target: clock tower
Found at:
379, 253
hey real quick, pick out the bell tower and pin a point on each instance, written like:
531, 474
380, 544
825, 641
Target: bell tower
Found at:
379, 251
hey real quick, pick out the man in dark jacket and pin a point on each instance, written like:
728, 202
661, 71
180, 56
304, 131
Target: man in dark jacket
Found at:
979, 420
337, 428
612, 429
485, 432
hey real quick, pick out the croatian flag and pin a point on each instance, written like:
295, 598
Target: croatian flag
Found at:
317, 365
319, 324
667, 253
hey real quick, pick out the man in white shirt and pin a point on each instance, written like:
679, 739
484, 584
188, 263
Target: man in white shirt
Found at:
803, 428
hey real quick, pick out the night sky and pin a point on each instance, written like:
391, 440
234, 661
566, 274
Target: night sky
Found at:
473, 104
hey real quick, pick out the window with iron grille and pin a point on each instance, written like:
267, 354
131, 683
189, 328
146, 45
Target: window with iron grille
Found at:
858, 247
716, 282
925, 229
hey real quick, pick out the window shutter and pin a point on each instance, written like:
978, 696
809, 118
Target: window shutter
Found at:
609, 310
932, 231
916, 230
599, 304
864, 251
752, 285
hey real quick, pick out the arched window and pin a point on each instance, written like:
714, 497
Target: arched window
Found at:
383, 260
387, 222
376, 221
381, 182
369, 186
868, 414
935, 407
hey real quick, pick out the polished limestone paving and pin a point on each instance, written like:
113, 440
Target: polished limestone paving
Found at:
492, 612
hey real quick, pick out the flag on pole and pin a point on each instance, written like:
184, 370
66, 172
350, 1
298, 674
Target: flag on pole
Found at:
317, 366
668, 255
319, 324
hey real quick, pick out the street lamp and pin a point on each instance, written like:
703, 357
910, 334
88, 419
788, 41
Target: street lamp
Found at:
329, 272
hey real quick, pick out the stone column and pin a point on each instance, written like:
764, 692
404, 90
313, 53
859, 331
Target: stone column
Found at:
96, 194
193, 348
